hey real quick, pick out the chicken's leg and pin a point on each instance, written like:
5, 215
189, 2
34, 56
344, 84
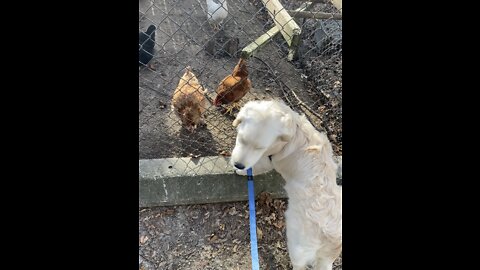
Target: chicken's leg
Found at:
215, 26
230, 108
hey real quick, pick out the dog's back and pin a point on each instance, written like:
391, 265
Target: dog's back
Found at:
314, 214
315, 203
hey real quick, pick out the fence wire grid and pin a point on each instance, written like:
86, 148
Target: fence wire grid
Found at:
310, 84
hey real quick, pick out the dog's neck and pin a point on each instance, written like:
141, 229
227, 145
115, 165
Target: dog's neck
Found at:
306, 139
286, 148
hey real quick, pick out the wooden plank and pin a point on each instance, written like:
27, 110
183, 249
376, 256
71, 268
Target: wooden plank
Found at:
292, 50
288, 27
337, 4
315, 15
250, 49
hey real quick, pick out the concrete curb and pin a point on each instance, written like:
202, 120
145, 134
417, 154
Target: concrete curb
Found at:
181, 181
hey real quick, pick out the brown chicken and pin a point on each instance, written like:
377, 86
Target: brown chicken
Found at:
233, 87
189, 102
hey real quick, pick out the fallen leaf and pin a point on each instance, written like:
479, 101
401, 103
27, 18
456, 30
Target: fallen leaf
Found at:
259, 234
213, 238
232, 211
278, 204
225, 153
278, 245
143, 239
235, 248
279, 224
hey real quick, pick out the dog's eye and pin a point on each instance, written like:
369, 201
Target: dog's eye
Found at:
259, 148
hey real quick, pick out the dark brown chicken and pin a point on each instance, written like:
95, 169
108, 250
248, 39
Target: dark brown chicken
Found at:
233, 87
189, 102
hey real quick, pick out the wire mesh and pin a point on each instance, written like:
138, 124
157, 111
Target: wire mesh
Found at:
311, 83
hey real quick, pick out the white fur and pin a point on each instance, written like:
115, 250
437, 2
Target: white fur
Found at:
304, 158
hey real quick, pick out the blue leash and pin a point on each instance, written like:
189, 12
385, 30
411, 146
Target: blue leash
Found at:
253, 222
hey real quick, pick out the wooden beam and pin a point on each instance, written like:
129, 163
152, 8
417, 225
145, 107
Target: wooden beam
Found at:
315, 15
288, 27
259, 42
250, 49
337, 4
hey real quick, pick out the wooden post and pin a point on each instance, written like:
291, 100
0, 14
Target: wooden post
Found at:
259, 42
288, 27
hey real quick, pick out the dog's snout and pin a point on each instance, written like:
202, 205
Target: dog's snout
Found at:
239, 166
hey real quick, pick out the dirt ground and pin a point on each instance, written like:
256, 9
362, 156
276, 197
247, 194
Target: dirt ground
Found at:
216, 236
213, 236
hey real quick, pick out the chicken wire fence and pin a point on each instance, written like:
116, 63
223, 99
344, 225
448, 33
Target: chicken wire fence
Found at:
309, 80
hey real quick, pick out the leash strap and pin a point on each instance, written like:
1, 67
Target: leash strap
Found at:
253, 222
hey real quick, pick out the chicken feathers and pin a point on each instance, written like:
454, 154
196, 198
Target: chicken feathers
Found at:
217, 12
233, 87
146, 44
189, 102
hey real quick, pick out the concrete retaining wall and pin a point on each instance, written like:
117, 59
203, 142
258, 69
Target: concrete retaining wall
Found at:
179, 181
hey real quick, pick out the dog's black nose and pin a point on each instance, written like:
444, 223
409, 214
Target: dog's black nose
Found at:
239, 166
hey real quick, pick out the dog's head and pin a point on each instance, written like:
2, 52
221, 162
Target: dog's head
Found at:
263, 128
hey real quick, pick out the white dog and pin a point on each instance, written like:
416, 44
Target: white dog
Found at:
272, 136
